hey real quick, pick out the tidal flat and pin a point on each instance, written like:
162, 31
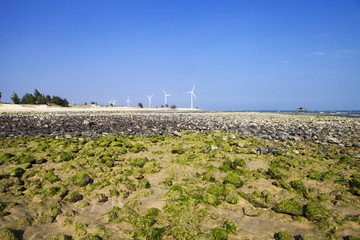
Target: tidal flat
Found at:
179, 176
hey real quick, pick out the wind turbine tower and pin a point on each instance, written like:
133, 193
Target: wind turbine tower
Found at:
128, 101
166, 95
149, 97
192, 94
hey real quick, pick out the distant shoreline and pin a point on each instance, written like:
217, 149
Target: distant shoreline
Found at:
30, 108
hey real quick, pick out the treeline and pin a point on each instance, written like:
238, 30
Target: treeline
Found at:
39, 98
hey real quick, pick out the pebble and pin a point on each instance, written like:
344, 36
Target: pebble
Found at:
270, 126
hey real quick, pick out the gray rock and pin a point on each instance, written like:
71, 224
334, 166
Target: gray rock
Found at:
356, 145
262, 150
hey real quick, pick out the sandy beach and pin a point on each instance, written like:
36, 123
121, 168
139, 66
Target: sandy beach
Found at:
26, 108
110, 173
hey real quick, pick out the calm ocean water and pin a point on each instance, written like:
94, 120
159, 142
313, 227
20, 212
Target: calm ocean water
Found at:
351, 113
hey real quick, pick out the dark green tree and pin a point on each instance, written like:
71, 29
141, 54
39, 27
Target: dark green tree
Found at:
60, 101
48, 99
40, 98
0, 96
15, 98
140, 105
28, 98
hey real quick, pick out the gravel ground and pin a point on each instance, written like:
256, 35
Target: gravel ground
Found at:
277, 127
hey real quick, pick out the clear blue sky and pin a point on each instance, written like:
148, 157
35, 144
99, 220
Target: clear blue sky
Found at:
242, 54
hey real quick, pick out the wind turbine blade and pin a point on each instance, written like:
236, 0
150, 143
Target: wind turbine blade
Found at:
164, 92
193, 87
194, 94
188, 92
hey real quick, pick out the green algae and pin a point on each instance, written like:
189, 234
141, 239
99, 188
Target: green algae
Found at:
8, 234
283, 236
195, 183
234, 179
291, 207
82, 179
16, 172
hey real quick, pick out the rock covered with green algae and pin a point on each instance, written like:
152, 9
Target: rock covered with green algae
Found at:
8, 234
283, 236
62, 237
355, 184
291, 207
231, 195
315, 212
207, 188
16, 172
234, 179
82, 179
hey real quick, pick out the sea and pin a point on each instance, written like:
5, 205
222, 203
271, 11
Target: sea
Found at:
344, 113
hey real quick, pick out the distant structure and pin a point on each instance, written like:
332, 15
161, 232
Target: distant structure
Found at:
191, 95
128, 101
302, 109
112, 102
166, 95
149, 97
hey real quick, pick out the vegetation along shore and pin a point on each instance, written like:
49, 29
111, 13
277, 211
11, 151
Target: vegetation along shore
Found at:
133, 175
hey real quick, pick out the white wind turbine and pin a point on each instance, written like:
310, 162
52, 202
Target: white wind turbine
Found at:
149, 97
166, 95
128, 101
192, 94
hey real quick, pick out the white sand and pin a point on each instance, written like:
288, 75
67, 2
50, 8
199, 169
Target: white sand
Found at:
19, 108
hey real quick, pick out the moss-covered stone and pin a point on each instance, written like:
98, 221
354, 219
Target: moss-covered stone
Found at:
276, 172
66, 156
50, 177
315, 175
90, 236
219, 234
300, 187
233, 179
231, 195
24, 221
238, 162
139, 162
16, 172
82, 179
46, 219
291, 207
8, 234
351, 238
62, 237
70, 213
51, 191
2, 206
55, 211
25, 158
151, 168
155, 233
211, 199
73, 197
305, 237
315, 212
177, 150
283, 236
217, 189
355, 184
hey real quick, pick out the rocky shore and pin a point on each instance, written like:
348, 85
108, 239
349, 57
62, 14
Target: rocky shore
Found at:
275, 127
